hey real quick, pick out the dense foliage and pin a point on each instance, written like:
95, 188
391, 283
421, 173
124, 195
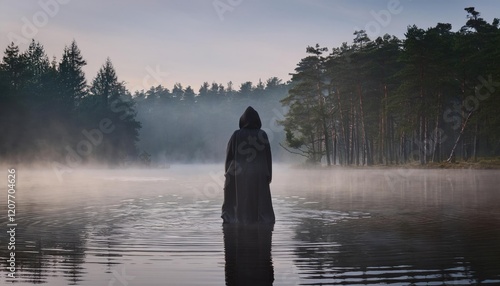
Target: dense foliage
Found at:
181, 126
432, 96
49, 113
429, 97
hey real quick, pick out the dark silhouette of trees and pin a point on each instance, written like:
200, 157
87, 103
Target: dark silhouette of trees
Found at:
72, 80
47, 110
430, 97
427, 98
306, 123
195, 127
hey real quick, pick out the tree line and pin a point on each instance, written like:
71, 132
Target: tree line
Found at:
430, 97
50, 113
180, 125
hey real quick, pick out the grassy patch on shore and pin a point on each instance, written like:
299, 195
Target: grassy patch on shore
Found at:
480, 163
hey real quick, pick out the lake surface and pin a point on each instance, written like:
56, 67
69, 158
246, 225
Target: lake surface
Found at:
334, 227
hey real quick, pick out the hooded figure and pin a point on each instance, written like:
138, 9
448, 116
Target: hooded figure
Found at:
247, 196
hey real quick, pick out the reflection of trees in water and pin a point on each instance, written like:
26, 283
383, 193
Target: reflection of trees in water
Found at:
481, 240
424, 226
104, 240
409, 248
58, 234
48, 243
41, 249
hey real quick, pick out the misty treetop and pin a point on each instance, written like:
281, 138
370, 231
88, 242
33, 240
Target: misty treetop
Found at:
182, 126
430, 97
50, 112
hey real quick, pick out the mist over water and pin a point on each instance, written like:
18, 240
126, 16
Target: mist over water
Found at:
334, 227
198, 131
123, 185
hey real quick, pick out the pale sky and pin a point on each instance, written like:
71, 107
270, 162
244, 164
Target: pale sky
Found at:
155, 42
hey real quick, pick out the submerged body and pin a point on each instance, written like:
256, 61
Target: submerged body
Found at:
248, 167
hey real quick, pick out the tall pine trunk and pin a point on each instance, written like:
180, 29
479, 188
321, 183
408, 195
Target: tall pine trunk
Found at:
345, 136
363, 130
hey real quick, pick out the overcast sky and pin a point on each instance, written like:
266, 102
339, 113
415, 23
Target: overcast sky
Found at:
191, 41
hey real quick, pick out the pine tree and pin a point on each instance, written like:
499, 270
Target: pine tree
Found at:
306, 121
37, 63
13, 67
246, 88
188, 95
73, 85
105, 85
109, 99
177, 91
478, 46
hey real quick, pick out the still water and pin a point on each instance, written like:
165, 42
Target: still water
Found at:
334, 227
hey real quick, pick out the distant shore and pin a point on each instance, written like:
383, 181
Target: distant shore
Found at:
492, 163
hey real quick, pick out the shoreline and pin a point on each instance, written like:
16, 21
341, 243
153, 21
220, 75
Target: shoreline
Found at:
480, 164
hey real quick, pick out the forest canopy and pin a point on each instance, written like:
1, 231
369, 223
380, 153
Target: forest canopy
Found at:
52, 114
429, 97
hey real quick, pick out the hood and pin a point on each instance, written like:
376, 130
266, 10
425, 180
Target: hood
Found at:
250, 119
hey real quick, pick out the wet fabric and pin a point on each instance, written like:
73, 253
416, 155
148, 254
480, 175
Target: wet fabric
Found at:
248, 173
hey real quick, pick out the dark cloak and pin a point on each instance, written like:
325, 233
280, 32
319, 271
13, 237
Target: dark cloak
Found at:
247, 196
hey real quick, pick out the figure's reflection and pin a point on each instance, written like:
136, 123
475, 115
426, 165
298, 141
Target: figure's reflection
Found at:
248, 254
